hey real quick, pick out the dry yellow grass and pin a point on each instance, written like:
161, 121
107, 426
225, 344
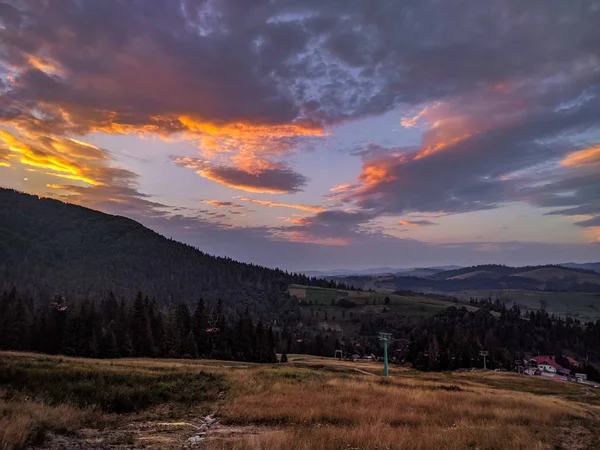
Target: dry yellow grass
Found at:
367, 412
25, 422
320, 403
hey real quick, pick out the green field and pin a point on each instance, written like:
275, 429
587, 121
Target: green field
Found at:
321, 310
580, 305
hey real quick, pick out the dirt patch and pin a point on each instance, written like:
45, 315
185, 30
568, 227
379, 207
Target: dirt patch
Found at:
224, 436
580, 434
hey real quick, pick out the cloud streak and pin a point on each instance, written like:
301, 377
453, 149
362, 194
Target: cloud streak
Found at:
416, 223
282, 205
221, 204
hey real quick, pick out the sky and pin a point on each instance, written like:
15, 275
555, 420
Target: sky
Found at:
315, 134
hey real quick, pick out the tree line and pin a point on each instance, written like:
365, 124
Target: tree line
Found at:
453, 338
136, 327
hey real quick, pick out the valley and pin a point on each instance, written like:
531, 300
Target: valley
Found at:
148, 342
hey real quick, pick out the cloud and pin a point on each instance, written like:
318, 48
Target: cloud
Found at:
506, 93
80, 173
331, 227
221, 204
492, 147
276, 179
64, 158
594, 222
583, 158
4, 157
117, 199
416, 223
282, 205
276, 71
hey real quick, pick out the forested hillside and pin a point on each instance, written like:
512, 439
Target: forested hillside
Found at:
48, 247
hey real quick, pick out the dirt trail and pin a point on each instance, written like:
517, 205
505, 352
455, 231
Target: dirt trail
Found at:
364, 372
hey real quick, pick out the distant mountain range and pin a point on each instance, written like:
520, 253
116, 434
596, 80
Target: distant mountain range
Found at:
422, 271
492, 277
587, 266
378, 271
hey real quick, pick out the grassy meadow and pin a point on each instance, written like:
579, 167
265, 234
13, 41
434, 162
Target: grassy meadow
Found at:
580, 305
309, 403
320, 308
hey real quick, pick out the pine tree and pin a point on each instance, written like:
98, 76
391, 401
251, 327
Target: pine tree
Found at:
139, 328
190, 349
199, 326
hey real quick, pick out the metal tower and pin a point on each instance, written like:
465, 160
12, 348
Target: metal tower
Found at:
385, 337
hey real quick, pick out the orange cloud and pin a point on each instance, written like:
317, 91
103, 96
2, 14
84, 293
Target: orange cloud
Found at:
276, 179
379, 171
4, 157
342, 188
250, 130
415, 223
251, 145
54, 156
220, 204
582, 158
45, 65
283, 205
439, 146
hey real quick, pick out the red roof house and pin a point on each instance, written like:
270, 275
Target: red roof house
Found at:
548, 364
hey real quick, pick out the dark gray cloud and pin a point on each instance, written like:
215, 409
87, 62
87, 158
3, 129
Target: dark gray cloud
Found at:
276, 179
490, 148
147, 62
334, 227
573, 195
594, 222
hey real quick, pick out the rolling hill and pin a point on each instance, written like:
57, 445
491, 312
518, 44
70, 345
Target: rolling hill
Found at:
484, 277
538, 273
48, 247
548, 273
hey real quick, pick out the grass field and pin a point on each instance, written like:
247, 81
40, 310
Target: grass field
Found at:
581, 305
319, 312
309, 403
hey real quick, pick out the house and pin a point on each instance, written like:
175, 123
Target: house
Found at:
548, 364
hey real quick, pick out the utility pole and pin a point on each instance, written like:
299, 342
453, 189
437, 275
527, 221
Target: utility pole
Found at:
484, 354
385, 337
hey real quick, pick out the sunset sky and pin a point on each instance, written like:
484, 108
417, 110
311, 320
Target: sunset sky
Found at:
314, 134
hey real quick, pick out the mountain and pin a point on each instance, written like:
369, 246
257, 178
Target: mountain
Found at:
48, 247
586, 266
412, 271
484, 277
